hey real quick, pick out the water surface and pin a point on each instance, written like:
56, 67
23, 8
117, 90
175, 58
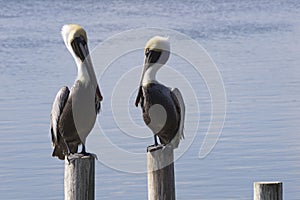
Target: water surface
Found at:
255, 45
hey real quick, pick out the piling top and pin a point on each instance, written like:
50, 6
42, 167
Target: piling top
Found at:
268, 182
268, 190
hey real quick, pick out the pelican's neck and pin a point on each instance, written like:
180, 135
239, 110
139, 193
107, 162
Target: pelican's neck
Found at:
82, 72
150, 75
85, 72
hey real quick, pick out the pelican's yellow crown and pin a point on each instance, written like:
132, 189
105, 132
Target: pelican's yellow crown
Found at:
71, 31
158, 43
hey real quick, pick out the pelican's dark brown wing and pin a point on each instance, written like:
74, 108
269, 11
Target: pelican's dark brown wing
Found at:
178, 100
57, 109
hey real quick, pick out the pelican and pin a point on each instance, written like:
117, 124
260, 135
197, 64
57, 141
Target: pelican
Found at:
74, 111
163, 107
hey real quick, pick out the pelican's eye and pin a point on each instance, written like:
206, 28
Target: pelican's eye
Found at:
147, 51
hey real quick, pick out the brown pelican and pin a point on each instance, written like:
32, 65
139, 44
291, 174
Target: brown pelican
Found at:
74, 111
163, 108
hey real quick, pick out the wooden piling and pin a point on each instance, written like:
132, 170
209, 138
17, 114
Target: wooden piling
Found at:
160, 165
80, 179
267, 190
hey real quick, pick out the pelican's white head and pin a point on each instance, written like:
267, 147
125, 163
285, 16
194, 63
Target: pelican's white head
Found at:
158, 43
75, 39
157, 52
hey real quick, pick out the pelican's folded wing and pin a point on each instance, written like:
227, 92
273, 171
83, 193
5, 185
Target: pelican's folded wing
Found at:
177, 98
57, 108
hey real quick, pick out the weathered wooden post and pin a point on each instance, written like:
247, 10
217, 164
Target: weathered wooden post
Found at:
160, 164
267, 190
80, 178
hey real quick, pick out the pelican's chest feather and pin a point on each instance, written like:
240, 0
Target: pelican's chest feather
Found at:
156, 94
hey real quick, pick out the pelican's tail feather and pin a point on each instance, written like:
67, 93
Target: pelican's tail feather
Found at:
59, 152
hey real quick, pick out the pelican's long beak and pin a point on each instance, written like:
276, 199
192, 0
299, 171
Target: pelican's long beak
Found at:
151, 57
140, 91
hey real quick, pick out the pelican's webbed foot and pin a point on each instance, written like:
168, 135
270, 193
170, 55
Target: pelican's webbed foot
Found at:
73, 156
154, 147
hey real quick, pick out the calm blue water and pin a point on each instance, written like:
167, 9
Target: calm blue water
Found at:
255, 44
